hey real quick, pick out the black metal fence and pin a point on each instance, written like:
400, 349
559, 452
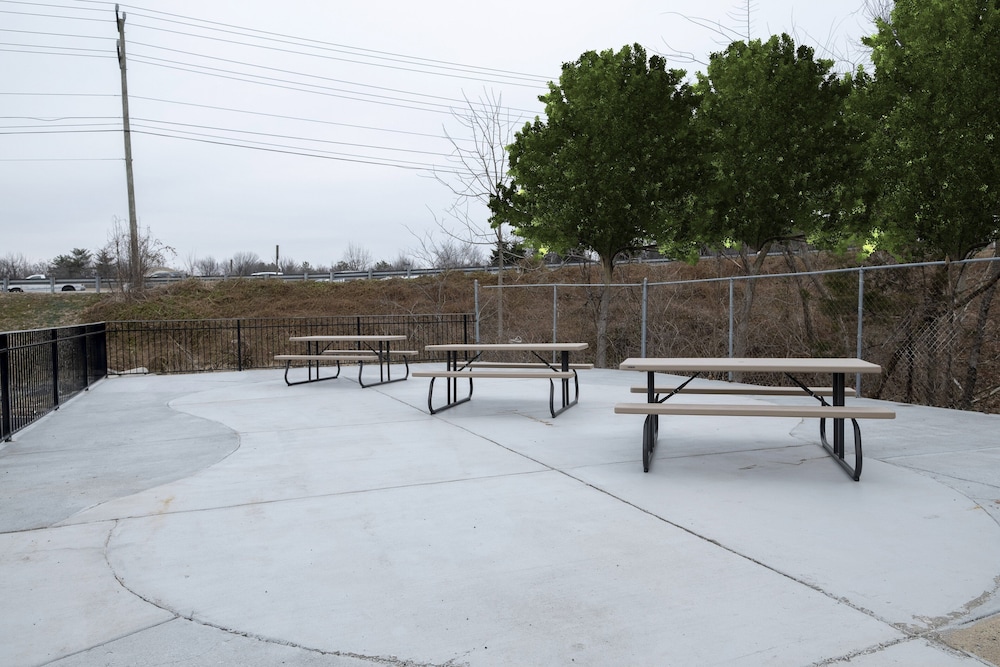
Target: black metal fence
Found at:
41, 369
191, 346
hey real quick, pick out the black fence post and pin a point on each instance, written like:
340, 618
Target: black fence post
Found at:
99, 355
54, 333
6, 427
84, 343
239, 346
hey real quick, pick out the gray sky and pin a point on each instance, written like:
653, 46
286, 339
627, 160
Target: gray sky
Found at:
346, 105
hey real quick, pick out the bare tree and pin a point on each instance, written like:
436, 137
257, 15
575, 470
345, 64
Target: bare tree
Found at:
191, 264
403, 262
449, 253
207, 266
878, 10
244, 263
740, 25
740, 16
355, 258
479, 176
289, 266
118, 252
15, 266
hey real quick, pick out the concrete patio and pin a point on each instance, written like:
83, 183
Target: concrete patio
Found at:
226, 519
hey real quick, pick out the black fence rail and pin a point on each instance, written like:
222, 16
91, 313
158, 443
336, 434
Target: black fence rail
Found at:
42, 368
192, 346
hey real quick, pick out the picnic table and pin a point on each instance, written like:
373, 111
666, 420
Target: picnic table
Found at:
464, 362
368, 349
792, 369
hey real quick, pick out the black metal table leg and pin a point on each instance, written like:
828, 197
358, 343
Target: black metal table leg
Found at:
838, 424
837, 450
451, 383
384, 368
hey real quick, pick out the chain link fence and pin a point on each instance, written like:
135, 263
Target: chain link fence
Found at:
932, 327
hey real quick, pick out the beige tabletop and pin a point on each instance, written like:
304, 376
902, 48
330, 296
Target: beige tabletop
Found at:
759, 364
511, 347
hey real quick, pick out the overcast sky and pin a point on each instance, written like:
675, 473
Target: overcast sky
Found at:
304, 124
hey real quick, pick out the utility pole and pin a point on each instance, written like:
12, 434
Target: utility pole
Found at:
135, 268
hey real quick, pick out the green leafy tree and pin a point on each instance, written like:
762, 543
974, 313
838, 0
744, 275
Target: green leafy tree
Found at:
513, 252
778, 146
935, 150
76, 264
934, 169
610, 169
104, 263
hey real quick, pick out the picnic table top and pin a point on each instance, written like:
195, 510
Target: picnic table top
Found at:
760, 364
536, 347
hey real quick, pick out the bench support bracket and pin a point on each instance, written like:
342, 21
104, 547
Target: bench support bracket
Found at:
313, 373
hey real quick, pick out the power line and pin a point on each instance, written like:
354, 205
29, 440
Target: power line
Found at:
431, 103
455, 72
264, 80
50, 16
34, 51
298, 86
295, 118
54, 131
458, 70
286, 71
292, 150
61, 159
56, 120
35, 94
327, 46
283, 39
43, 4
282, 136
55, 34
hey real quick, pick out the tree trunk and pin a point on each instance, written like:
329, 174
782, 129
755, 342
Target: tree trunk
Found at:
604, 313
807, 320
751, 267
500, 259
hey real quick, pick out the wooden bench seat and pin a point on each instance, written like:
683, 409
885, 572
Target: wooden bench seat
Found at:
654, 411
452, 377
746, 390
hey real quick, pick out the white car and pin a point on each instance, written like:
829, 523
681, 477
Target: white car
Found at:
39, 282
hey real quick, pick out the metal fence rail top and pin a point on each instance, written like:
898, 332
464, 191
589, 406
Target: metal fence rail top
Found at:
352, 318
759, 276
